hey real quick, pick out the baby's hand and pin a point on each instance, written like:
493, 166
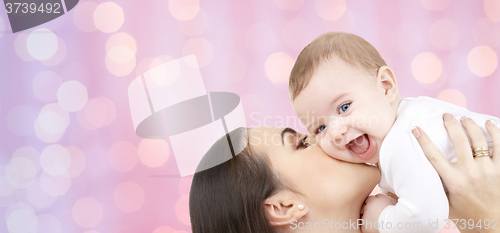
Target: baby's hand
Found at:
372, 209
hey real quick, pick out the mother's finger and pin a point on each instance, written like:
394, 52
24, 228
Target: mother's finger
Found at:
495, 135
438, 161
475, 134
459, 139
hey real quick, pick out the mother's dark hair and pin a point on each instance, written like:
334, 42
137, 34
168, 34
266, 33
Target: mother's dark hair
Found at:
229, 197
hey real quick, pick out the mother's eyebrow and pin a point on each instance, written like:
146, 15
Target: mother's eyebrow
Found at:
286, 130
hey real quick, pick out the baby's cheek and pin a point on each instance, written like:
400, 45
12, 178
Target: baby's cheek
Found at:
383, 125
386, 126
327, 146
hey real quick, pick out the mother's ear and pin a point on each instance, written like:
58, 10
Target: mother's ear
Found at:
284, 207
387, 80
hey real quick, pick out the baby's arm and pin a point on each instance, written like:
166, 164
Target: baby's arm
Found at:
373, 207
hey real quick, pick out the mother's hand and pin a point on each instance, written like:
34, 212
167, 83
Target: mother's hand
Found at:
473, 182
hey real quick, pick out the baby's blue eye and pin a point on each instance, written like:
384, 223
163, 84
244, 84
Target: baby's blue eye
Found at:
344, 107
321, 128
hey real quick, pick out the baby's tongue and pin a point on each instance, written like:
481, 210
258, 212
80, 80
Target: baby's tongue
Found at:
360, 144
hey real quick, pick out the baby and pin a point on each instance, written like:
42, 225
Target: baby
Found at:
344, 93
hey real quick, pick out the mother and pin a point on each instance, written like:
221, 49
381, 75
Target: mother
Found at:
282, 182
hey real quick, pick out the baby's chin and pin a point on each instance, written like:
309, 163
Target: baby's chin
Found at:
373, 160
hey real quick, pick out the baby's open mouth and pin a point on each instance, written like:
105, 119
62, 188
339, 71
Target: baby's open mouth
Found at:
361, 146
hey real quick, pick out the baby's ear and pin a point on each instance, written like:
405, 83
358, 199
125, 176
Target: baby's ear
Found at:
283, 208
387, 80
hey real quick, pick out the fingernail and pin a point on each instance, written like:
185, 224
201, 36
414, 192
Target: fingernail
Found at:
415, 132
446, 116
489, 123
464, 119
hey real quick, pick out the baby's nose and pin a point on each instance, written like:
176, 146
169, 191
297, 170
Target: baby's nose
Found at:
337, 136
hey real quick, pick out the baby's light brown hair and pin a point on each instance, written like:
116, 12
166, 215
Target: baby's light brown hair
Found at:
351, 48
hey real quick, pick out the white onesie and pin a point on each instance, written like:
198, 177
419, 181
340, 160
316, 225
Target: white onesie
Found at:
423, 204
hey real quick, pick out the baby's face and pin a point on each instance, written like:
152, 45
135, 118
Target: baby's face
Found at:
348, 111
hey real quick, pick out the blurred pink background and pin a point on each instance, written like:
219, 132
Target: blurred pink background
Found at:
69, 158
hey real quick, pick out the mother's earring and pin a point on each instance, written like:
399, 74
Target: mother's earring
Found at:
300, 207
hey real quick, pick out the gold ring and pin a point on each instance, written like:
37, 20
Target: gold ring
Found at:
480, 149
482, 154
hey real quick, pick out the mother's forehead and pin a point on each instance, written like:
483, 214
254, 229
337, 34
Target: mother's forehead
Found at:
270, 136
